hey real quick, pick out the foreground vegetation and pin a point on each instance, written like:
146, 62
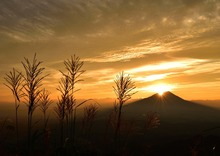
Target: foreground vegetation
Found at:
71, 135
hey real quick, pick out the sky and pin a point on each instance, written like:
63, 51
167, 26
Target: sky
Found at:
174, 43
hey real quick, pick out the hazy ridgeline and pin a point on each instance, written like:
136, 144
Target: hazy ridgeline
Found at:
155, 125
7, 111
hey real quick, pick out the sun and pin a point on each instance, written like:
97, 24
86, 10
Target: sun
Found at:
160, 88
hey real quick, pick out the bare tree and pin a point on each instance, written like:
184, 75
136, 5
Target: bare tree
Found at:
123, 90
32, 90
14, 82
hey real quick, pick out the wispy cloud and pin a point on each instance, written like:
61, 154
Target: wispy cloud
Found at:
181, 64
151, 77
199, 85
209, 67
153, 41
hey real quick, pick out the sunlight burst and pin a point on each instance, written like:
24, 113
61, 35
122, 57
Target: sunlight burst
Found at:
160, 88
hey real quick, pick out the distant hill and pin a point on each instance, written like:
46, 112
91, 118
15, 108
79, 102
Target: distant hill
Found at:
210, 103
178, 117
173, 110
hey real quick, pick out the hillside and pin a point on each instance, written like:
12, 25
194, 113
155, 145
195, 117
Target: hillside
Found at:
177, 116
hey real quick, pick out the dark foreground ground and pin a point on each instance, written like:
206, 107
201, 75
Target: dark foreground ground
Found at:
169, 139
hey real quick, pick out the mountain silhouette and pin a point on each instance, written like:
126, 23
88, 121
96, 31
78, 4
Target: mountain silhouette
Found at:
171, 108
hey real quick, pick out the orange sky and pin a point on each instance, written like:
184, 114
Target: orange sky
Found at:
175, 43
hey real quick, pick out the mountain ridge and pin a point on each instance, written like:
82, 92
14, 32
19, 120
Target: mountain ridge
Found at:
170, 106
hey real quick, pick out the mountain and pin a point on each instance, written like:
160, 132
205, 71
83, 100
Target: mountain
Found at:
183, 125
211, 103
172, 109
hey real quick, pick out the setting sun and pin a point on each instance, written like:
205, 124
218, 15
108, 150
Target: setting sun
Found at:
160, 88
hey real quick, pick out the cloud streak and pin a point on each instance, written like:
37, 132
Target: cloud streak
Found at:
154, 41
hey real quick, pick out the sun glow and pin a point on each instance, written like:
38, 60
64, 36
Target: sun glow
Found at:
160, 88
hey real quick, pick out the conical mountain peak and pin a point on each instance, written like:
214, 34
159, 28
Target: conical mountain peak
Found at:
166, 94
167, 98
169, 106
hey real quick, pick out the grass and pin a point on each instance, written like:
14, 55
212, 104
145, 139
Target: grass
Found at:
32, 89
14, 82
123, 90
121, 136
90, 113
